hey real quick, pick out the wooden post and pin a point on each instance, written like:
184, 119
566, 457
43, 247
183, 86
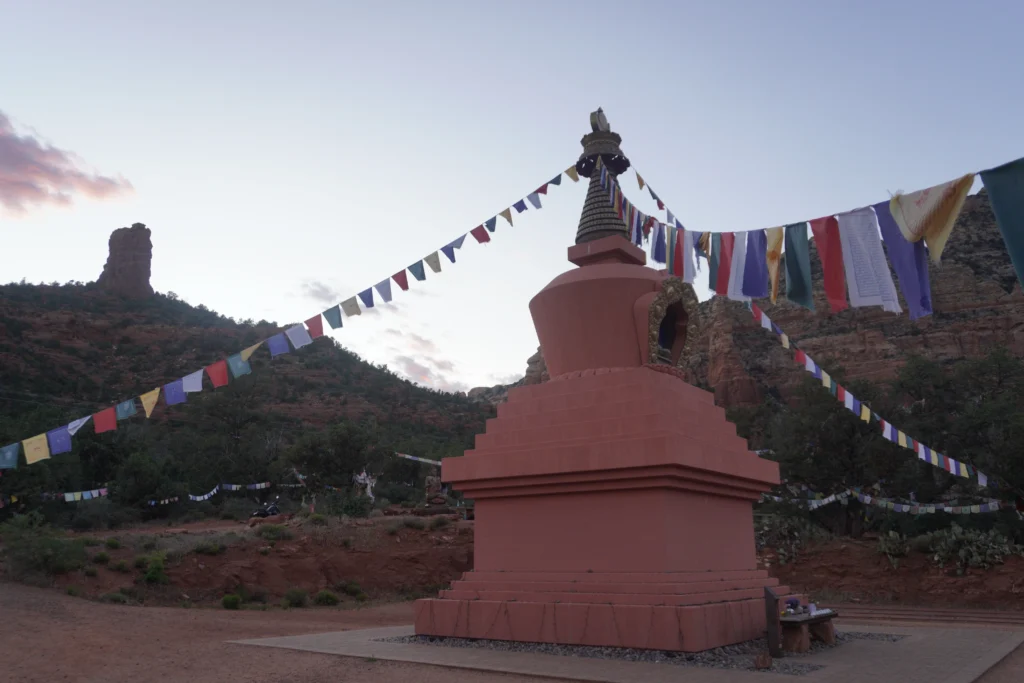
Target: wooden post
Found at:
771, 613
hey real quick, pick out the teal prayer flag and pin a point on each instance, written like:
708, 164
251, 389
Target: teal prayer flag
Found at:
9, 456
1005, 186
333, 316
125, 409
417, 271
716, 252
798, 266
238, 366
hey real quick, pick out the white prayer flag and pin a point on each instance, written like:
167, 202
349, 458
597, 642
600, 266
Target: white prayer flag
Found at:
298, 336
737, 267
534, 199
73, 427
982, 480
766, 322
192, 383
867, 273
384, 289
848, 400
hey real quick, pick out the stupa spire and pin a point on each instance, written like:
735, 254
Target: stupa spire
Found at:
599, 219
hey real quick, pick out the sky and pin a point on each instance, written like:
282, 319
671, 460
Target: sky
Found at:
289, 155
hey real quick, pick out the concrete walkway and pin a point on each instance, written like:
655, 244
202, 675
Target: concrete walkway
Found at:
926, 655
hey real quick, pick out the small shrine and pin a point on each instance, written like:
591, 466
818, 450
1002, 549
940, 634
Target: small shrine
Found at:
614, 503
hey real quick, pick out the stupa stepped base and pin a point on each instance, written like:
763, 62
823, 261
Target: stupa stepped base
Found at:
673, 611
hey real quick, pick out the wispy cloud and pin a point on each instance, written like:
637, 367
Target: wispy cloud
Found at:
419, 371
34, 174
321, 292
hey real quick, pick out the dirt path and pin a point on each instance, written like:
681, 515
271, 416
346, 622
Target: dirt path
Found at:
45, 636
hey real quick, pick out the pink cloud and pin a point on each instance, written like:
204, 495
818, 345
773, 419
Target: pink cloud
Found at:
36, 174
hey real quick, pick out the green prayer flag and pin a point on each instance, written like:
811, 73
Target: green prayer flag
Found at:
238, 366
798, 266
417, 271
1005, 185
333, 316
716, 252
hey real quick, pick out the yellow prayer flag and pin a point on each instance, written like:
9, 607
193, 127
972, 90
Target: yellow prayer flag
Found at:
507, 215
36, 449
785, 341
14, 499
901, 439
639, 181
826, 379
78, 495
933, 458
774, 256
573, 175
149, 400
350, 307
865, 413
930, 214
247, 353
975, 509
434, 261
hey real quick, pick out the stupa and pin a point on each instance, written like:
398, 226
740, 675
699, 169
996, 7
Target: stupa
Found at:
614, 503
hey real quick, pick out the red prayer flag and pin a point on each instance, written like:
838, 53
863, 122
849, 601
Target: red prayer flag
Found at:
104, 421
725, 263
830, 251
756, 311
543, 189
841, 393
678, 266
218, 373
480, 234
402, 279
316, 326
661, 205
800, 357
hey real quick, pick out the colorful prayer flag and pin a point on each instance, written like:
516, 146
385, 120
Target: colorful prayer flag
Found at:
519, 206
9, 456
799, 288
350, 307
125, 409
573, 175
534, 199
543, 189
449, 249
507, 215
218, 373
727, 242
238, 366
333, 317
193, 383
930, 214
105, 420
434, 261
247, 352
737, 268
867, 274
315, 325
366, 296
557, 180
865, 413
480, 234
1005, 186
773, 258
76, 425
278, 345
384, 290
402, 280
174, 393
658, 243
417, 271
909, 260
830, 252
298, 335
36, 449
639, 181
755, 269
491, 224
149, 400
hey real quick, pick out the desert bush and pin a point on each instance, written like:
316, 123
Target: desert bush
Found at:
439, 523
102, 513
921, 544
155, 572
970, 548
101, 558
326, 598
894, 546
338, 504
33, 547
274, 532
265, 550
113, 543
381, 503
394, 527
141, 561
231, 601
209, 548
349, 588
296, 597
90, 542
121, 566
236, 508
786, 534
74, 591
90, 572
318, 519
115, 598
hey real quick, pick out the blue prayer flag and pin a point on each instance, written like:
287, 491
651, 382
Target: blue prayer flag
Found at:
491, 223
59, 439
417, 271
238, 366
557, 180
174, 393
125, 409
367, 297
519, 206
9, 456
278, 344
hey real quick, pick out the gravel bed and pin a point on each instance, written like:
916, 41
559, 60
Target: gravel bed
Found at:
737, 657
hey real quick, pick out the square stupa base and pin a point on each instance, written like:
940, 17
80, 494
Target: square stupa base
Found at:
613, 508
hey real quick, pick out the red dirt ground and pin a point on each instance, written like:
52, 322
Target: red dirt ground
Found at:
847, 570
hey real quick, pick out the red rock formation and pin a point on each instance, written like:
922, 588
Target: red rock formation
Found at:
127, 270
